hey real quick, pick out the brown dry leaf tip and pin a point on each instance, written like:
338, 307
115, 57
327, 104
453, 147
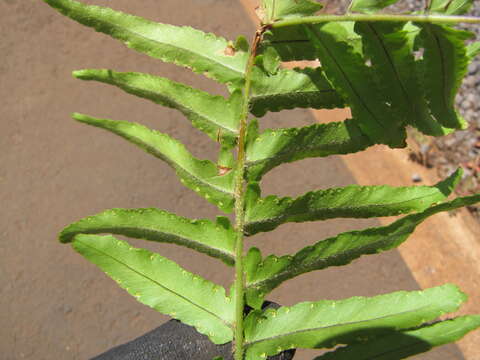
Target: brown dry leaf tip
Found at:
229, 50
223, 170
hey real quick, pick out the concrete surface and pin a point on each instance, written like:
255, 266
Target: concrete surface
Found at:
54, 171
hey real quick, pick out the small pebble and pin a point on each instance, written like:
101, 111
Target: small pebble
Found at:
416, 178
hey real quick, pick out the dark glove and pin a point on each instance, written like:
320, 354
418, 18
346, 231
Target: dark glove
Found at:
176, 341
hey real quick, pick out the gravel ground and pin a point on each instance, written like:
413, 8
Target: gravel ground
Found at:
461, 148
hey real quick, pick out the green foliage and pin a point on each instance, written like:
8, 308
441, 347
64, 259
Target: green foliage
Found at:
450, 7
274, 147
214, 239
290, 43
473, 50
203, 53
264, 275
326, 323
391, 73
278, 9
202, 176
444, 66
370, 6
289, 89
353, 201
348, 72
403, 344
214, 115
162, 284
390, 48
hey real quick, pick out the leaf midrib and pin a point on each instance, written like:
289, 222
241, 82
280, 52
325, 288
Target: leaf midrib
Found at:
357, 95
339, 208
283, 154
113, 25
442, 62
413, 105
312, 265
250, 343
177, 166
290, 93
181, 239
157, 283
182, 108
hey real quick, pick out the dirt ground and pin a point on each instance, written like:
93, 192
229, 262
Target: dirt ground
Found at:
55, 305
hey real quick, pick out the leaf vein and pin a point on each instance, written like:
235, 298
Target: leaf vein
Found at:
157, 283
113, 25
250, 343
184, 109
347, 79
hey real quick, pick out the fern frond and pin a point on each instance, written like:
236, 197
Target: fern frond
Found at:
390, 47
293, 44
403, 344
163, 285
214, 239
202, 176
450, 7
214, 115
279, 9
264, 275
203, 53
473, 50
324, 324
354, 201
370, 6
289, 89
274, 147
444, 65
352, 78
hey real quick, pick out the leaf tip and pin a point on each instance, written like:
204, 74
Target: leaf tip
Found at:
461, 296
79, 117
79, 74
450, 183
64, 237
